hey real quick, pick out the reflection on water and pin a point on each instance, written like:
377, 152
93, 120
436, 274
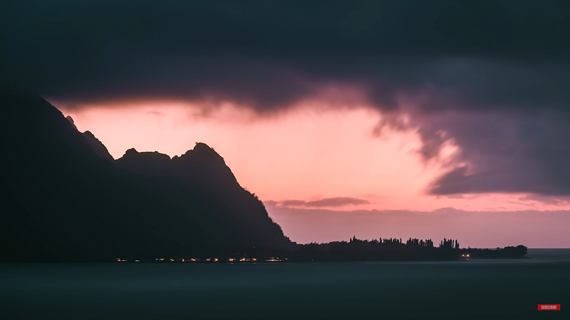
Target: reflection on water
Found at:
476, 289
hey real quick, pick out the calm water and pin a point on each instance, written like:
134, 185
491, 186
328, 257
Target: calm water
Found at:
481, 289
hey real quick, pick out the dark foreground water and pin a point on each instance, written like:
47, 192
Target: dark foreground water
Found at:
477, 289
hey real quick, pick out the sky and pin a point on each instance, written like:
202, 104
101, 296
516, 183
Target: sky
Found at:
367, 118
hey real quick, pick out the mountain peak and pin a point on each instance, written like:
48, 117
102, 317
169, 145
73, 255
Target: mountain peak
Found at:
202, 151
95, 143
97, 146
70, 119
131, 151
144, 160
202, 146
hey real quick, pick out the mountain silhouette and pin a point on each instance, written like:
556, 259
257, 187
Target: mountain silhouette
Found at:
96, 145
67, 199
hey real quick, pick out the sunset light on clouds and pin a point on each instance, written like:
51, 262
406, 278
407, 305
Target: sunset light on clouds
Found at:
222, 159
302, 154
450, 105
314, 159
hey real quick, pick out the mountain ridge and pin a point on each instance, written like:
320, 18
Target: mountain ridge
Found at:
67, 202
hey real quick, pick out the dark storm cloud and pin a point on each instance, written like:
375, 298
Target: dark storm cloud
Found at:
490, 75
504, 152
269, 54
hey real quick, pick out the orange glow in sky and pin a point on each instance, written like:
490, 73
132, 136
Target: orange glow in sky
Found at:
303, 154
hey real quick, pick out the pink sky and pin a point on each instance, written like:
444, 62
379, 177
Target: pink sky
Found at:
312, 153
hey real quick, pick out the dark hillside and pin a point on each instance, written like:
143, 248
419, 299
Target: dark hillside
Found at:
63, 198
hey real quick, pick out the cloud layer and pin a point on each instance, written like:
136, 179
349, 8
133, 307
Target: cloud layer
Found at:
489, 77
321, 203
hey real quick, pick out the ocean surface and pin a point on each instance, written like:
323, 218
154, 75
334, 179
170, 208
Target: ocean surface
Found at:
475, 289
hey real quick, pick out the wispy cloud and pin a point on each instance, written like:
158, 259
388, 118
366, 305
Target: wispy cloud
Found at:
321, 203
156, 113
549, 200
